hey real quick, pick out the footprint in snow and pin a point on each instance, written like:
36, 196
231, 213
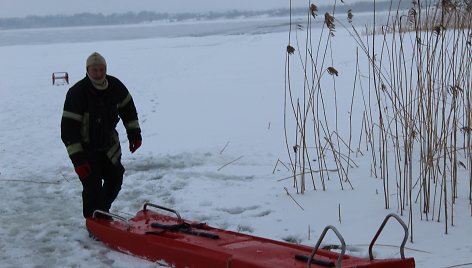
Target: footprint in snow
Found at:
238, 210
262, 213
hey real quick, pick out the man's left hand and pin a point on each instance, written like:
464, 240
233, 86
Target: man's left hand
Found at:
134, 145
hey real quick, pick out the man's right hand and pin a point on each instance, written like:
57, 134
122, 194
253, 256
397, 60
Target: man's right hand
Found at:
83, 170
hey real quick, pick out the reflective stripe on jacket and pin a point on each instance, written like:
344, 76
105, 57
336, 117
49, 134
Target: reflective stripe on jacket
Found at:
90, 117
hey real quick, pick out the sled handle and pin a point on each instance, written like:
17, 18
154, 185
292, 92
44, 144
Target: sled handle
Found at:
113, 216
179, 219
405, 238
341, 239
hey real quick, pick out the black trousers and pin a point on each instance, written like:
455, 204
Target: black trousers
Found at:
101, 188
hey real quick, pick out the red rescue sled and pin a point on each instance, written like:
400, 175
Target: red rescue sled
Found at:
179, 243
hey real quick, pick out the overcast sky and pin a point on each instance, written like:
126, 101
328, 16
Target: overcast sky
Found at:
22, 8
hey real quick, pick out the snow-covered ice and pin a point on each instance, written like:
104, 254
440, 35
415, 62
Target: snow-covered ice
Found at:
211, 112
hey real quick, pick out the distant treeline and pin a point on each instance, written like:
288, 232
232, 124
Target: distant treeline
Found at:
88, 19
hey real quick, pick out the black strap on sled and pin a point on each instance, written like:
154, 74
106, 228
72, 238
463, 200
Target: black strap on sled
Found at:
183, 228
314, 261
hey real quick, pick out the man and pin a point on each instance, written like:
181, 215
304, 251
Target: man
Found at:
92, 109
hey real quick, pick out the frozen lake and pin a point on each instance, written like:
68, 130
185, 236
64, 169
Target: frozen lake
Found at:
141, 31
168, 29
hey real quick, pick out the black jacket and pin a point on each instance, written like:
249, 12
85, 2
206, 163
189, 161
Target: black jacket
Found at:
90, 117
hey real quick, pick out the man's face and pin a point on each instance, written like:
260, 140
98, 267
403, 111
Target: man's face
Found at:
97, 71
